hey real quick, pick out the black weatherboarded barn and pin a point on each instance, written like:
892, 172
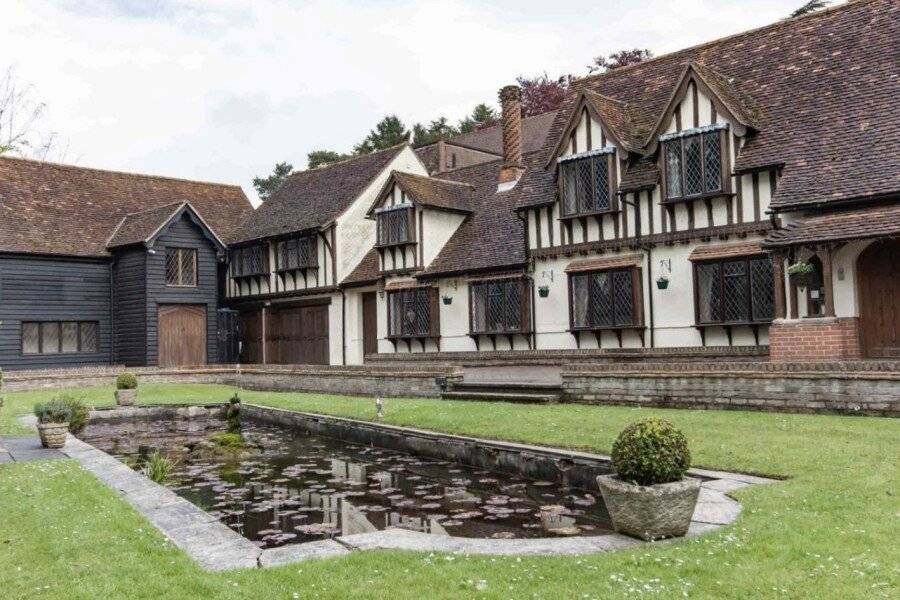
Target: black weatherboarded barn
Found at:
101, 267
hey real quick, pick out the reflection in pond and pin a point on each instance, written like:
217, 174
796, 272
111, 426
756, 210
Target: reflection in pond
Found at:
290, 487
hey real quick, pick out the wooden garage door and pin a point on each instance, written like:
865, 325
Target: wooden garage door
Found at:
878, 277
182, 335
299, 335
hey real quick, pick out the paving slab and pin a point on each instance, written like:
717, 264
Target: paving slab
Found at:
28, 448
283, 555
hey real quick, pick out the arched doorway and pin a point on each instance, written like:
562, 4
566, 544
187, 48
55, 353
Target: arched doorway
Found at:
878, 283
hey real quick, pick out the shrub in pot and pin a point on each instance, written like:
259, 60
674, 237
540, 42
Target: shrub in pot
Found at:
53, 422
80, 412
126, 389
649, 497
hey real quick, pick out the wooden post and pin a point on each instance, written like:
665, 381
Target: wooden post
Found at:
827, 282
778, 272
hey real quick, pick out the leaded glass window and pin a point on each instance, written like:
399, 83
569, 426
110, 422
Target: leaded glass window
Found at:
297, 253
411, 312
249, 261
499, 306
604, 299
395, 226
693, 165
585, 185
56, 337
181, 267
735, 291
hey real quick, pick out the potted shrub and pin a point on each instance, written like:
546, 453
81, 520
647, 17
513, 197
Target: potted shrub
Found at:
53, 422
649, 497
126, 389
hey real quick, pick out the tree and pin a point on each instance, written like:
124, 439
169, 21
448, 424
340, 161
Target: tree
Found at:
266, 186
622, 58
482, 116
438, 129
810, 7
388, 132
541, 94
20, 115
321, 158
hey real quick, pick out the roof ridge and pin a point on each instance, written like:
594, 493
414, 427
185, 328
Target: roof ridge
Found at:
161, 206
781, 23
59, 165
430, 178
350, 159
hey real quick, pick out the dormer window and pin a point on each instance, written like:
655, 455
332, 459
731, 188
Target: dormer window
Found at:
584, 183
396, 226
693, 165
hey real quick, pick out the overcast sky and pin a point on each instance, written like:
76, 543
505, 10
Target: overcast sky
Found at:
221, 90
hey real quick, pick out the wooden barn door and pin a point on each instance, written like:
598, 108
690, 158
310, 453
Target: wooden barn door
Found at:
878, 279
182, 335
299, 335
370, 323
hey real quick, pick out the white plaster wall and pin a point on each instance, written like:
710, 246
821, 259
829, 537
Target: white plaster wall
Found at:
335, 345
356, 233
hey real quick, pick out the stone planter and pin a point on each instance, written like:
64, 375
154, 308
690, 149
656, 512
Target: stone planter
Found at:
53, 435
126, 397
650, 512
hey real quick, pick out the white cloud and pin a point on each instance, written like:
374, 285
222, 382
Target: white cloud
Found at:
221, 90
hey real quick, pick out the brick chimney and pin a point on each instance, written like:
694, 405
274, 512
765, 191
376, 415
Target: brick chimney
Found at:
511, 107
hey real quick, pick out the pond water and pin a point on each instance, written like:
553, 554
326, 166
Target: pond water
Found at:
291, 487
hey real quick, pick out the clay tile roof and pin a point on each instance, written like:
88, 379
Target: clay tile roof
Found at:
365, 273
429, 156
48, 208
600, 264
725, 251
490, 139
862, 223
140, 226
618, 117
825, 87
491, 238
639, 175
741, 104
316, 197
436, 193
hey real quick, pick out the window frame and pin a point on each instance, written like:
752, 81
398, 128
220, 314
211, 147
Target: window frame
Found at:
236, 261
724, 188
609, 157
80, 337
434, 313
308, 241
179, 250
525, 300
409, 216
748, 290
637, 298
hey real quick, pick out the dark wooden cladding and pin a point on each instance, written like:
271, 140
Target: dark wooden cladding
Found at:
182, 335
52, 289
130, 307
298, 335
879, 287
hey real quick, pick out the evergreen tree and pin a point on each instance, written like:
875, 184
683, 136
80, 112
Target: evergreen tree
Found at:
482, 116
810, 6
622, 58
266, 186
321, 158
438, 129
388, 132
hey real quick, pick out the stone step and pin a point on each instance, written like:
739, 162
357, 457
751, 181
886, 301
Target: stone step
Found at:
523, 397
507, 387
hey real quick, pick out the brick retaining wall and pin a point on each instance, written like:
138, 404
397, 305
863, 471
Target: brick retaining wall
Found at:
869, 388
814, 339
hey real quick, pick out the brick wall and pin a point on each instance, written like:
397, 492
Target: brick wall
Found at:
874, 389
814, 339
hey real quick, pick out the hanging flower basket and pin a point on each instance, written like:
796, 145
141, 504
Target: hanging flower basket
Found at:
803, 274
662, 283
448, 300
544, 291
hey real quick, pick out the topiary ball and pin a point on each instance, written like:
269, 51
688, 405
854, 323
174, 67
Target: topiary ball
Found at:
651, 451
126, 381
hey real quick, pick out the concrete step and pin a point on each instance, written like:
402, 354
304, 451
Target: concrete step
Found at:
490, 396
507, 387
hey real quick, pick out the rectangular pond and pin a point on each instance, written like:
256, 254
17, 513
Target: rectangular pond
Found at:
301, 478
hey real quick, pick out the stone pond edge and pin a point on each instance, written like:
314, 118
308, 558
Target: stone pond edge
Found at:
216, 547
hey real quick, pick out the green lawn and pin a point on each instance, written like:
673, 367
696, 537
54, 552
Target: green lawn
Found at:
829, 531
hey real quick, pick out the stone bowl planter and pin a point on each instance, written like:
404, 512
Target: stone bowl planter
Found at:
53, 435
126, 397
650, 512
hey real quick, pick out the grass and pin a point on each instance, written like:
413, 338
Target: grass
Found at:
828, 531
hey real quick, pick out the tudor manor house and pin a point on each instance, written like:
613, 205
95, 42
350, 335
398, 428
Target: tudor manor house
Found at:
740, 198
